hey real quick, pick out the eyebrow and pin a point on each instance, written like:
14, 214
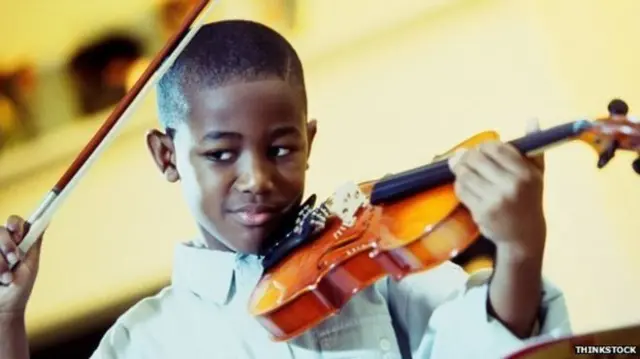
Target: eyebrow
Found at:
220, 135
285, 131
276, 133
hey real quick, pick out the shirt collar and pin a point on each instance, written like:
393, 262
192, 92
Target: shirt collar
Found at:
211, 274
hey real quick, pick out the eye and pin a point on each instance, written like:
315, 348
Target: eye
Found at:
278, 151
220, 156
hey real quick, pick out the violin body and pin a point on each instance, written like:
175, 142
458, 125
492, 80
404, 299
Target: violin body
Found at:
397, 239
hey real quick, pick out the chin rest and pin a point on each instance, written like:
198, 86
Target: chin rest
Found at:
300, 234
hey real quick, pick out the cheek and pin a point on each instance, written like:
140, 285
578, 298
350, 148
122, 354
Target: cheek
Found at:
292, 178
204, 186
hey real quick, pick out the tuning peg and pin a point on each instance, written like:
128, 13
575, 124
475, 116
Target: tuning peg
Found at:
618, 107
607, 154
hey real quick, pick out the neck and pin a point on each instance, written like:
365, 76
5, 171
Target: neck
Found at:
435, 174
211, 242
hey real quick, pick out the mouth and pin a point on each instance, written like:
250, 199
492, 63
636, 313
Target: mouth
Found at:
253, 216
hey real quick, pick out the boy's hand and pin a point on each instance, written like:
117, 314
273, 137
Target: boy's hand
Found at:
16, 286
503, 191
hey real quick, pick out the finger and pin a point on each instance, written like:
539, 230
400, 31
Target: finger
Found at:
35, 247
6, 277
468, 177
29, 262
486, 166
455, 159
16, 225
506, 157
8, 255
533, 126
31, 258
8, 247
467, 195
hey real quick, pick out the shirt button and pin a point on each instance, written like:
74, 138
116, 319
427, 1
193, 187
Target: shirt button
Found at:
385, 344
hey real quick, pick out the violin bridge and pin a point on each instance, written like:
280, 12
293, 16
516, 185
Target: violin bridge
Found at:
345, 203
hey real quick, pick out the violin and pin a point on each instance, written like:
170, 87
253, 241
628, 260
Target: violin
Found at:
399, 225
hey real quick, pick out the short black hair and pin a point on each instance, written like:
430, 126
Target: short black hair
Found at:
223, 52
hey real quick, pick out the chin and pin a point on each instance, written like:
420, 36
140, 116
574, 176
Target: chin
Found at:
250, 242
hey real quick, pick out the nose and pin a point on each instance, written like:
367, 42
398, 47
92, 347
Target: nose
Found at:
255, 177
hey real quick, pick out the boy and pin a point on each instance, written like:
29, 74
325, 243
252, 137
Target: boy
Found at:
237, 139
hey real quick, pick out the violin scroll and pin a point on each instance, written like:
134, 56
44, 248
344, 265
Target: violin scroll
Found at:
613, 133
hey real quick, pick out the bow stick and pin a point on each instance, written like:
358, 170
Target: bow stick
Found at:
40, 219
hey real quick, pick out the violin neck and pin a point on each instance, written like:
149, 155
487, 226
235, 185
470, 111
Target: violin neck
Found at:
407, 183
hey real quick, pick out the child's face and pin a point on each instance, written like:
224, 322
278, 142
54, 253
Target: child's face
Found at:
241, 159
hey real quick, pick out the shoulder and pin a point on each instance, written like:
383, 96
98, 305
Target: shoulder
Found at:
148, 310
136, 326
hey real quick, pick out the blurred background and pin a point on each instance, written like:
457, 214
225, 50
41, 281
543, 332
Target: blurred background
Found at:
403, 82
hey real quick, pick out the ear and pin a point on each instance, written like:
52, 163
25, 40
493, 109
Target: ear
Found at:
312, 128
162, 150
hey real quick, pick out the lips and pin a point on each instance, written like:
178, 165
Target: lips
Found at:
256, 215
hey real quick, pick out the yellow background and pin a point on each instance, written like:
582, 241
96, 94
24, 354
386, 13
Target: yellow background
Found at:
386, 103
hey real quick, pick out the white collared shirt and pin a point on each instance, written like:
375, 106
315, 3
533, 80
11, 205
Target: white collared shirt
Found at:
438, 314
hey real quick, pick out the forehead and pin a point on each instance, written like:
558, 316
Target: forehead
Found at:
244, 107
